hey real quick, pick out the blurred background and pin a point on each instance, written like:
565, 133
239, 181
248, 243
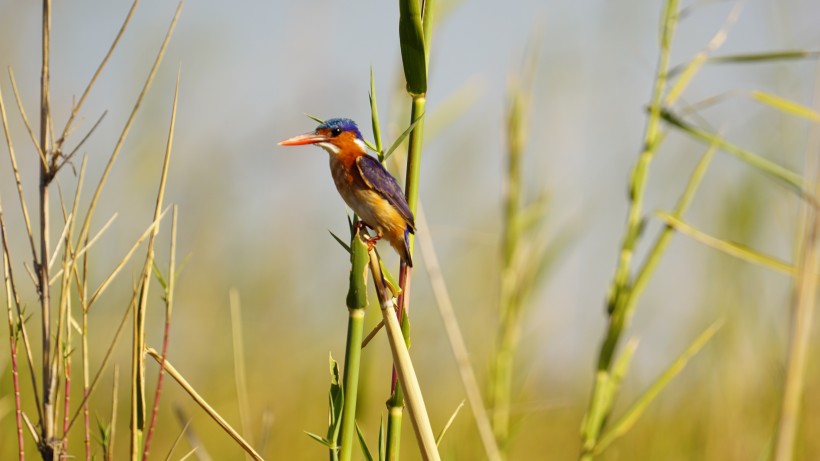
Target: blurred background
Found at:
255, 217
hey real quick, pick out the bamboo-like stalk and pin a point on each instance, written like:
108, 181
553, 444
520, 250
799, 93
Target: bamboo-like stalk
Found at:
415, 30
356, 304
404, 367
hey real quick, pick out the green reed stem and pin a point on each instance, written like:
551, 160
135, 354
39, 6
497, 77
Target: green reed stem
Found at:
356, 304
396, 400
510, 302
415, 32
620, 302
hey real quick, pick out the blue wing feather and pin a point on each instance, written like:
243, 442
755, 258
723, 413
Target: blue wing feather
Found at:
377, 177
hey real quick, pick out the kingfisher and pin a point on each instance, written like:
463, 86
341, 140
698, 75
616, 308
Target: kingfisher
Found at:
363, 182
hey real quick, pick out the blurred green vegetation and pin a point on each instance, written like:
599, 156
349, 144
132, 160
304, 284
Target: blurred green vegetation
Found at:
255, 219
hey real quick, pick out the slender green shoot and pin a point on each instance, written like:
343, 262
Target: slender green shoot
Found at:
356, 304
618, 302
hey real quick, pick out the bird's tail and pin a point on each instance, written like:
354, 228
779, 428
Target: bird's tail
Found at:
402, 246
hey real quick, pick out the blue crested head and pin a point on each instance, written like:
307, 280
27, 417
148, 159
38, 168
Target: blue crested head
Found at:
340, 125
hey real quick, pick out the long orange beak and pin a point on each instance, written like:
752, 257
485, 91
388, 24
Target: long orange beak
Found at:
302, 139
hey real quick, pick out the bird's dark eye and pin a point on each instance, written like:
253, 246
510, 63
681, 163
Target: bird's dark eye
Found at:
335, 132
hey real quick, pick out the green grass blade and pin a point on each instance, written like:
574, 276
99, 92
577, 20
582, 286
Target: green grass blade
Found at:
315, 119
340, 241
787, 106
449, 423
732, 249
319, 439
401, 138
789, 177
382, 441
363, 443
374, 118
763, 57
636, 410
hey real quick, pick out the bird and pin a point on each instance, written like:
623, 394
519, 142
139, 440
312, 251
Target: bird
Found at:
363, 182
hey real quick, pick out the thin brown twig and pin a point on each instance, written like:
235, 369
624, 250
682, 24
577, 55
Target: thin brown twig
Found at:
103, 179
17, 179
177, 440
169, 303
79, 104
67, 158
66, 400
18, 412
29, 232
22, 324
203, 404
82, 290
23, 115
106, 358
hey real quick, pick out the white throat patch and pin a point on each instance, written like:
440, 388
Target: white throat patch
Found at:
361, 144
330, 148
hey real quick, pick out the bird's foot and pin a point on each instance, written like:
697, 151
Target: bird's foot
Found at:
361, 229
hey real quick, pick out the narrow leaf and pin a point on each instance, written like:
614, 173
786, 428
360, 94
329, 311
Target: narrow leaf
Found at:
787, 106
315, 119
762, 57
791, 178
382, 441
340, 241
732, 249
400, 139
363, 444
374, 117
319, 439
449, 423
